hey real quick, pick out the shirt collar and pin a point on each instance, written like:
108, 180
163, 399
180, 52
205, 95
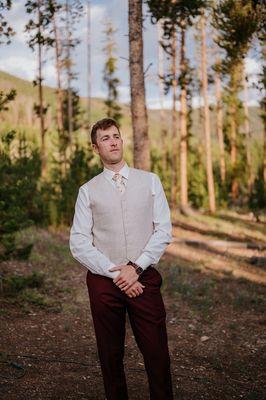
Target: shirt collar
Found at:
124, 171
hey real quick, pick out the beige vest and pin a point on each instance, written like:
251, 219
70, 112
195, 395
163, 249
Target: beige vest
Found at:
122, 223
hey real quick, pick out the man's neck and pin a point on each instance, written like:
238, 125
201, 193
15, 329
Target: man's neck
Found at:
115, 167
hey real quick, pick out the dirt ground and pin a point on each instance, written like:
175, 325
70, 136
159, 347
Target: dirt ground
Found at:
215, 302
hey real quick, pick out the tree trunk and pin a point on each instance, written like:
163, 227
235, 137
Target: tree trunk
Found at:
139, 116
41, 106
89, 61
164, 141
69, 78
219, 123
264, 145
247, 133
183, 125
207, 128
233, 131
59, 93
174, 124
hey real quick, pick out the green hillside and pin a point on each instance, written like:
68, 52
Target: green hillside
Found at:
21, 116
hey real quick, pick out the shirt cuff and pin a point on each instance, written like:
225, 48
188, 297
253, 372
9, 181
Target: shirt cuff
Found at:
144, 261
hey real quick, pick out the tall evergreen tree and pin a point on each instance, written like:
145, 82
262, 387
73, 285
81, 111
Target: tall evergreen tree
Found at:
40, 28
237, 22
109, 77
179, 14
73, 12
207, 124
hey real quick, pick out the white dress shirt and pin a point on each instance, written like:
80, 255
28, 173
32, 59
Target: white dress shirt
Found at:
91, 257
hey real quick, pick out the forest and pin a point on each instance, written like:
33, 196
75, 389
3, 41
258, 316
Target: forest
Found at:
206, 139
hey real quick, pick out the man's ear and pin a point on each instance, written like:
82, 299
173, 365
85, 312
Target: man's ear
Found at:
95, 148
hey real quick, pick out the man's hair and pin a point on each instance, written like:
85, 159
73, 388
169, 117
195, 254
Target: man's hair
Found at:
103, 124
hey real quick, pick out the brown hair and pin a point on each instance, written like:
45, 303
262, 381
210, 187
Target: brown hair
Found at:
103, 124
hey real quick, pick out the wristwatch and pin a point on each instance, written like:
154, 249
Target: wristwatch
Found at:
138, 269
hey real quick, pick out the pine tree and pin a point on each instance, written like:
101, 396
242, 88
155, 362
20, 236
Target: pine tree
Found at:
73, 11
111, 81
179, 13
40, 31
237, 22
207, 127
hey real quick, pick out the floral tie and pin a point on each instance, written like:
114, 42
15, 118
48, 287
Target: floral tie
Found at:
119, 183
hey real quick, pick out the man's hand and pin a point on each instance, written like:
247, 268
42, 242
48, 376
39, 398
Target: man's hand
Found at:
127, 276
135, 290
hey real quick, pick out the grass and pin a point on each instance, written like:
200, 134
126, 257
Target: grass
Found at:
203, 293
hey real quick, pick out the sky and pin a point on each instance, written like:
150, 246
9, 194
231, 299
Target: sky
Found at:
19, 60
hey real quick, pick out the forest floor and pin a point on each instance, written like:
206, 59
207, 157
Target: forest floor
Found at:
214, 296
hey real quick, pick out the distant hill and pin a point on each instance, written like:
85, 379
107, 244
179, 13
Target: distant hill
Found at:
21, 116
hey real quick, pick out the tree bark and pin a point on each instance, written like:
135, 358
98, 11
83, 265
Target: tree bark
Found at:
89, 61
247, 133
174, 124
219, 123
59, 93
41, 105
207, 128
164, 141
69, 77
141, 155
183, 124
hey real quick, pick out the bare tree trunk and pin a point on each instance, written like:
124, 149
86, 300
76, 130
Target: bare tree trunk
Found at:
137, 87
263, 105
247, 133
59, 97
219, 123
89, 60
233, 133
59, 93
183, 125
69, 78
163, 125
41, 105
174, 124
207, 128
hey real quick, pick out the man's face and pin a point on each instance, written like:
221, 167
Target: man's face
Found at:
109, 145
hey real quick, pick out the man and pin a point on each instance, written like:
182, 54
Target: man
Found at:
120, 230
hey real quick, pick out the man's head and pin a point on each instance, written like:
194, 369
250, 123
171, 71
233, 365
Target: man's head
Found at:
106, 141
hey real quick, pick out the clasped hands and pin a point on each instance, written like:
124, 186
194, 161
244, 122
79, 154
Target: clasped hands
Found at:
127, 280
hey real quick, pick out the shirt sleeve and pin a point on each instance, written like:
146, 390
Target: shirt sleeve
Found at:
162, 234
81, 239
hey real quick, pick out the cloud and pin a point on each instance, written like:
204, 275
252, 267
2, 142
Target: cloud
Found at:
20, 66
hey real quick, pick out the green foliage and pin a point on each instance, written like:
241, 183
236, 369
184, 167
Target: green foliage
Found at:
77, 112
175, 12
257, 198
65, 186
25, 289
40, 29
237, 22
5, 98
19, 175
6, 31
156, 167
17, 283
197, 182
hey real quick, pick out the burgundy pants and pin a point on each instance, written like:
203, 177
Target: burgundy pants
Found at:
147, 318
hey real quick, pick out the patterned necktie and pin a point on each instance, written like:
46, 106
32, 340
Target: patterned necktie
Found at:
119, 183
